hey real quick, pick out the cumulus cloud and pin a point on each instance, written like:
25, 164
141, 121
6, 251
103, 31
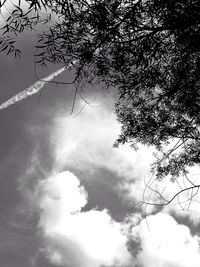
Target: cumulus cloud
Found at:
86, 143
72, 237
165, 243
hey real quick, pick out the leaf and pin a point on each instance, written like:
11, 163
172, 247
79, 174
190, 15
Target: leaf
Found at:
6, 29
41, 60
18, 8
4, 48
40, 54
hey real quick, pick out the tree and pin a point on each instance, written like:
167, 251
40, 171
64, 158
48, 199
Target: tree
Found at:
148, 50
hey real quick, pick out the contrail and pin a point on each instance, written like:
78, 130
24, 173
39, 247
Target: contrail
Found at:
33, 89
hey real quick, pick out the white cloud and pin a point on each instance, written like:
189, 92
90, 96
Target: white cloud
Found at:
90, 238
86, 143
165, 243
188, 202
59, 196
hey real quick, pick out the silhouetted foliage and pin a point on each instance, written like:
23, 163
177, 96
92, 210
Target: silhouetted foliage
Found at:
18, 16
148, 49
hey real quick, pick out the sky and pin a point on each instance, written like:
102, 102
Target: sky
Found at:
67, 196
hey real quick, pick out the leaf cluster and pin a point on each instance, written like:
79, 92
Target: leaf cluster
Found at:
18, 17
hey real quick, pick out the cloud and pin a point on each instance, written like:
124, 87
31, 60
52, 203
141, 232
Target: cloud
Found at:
180, 201
165, 243
92, 239
188, 201
75, 238
86, 142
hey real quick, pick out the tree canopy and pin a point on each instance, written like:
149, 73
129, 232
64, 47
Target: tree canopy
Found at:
149, 50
